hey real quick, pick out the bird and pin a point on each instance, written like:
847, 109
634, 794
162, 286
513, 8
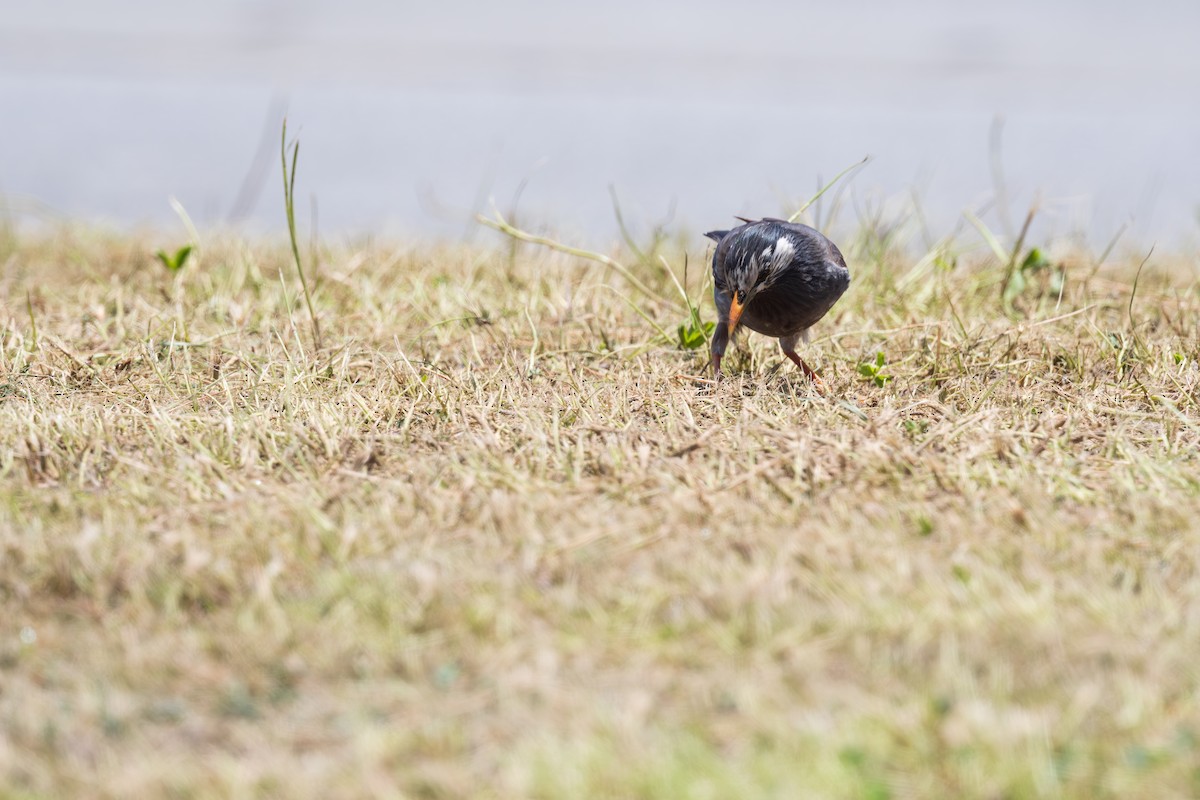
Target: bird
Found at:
777, 278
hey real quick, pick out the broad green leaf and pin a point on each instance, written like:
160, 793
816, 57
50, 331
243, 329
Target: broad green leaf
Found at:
1034, 260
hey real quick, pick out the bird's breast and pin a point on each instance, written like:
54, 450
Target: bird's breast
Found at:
797, 300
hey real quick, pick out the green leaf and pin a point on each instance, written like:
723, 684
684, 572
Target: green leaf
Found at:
1034, 260
692, 337
874, 372
175, 263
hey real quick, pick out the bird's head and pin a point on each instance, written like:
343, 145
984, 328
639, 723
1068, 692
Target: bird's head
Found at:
749, 270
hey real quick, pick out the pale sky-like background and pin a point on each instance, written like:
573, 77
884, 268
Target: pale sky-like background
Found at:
412, 114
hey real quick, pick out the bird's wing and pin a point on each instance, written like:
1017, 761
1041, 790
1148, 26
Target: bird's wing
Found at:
809, 241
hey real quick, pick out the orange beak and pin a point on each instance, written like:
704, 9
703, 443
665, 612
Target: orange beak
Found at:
735, 313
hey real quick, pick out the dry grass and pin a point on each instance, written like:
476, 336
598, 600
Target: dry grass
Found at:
496, 540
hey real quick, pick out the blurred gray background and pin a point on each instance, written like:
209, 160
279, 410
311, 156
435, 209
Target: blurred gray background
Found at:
412, 114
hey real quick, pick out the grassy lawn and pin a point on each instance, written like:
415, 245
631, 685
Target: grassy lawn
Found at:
500, 536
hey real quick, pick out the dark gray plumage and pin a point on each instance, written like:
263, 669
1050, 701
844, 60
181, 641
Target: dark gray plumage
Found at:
777, 278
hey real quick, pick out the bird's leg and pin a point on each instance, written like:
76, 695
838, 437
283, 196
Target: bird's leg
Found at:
788, 345
809, 372
719, 340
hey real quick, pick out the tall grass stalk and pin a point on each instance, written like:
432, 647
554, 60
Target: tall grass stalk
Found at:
289, 197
